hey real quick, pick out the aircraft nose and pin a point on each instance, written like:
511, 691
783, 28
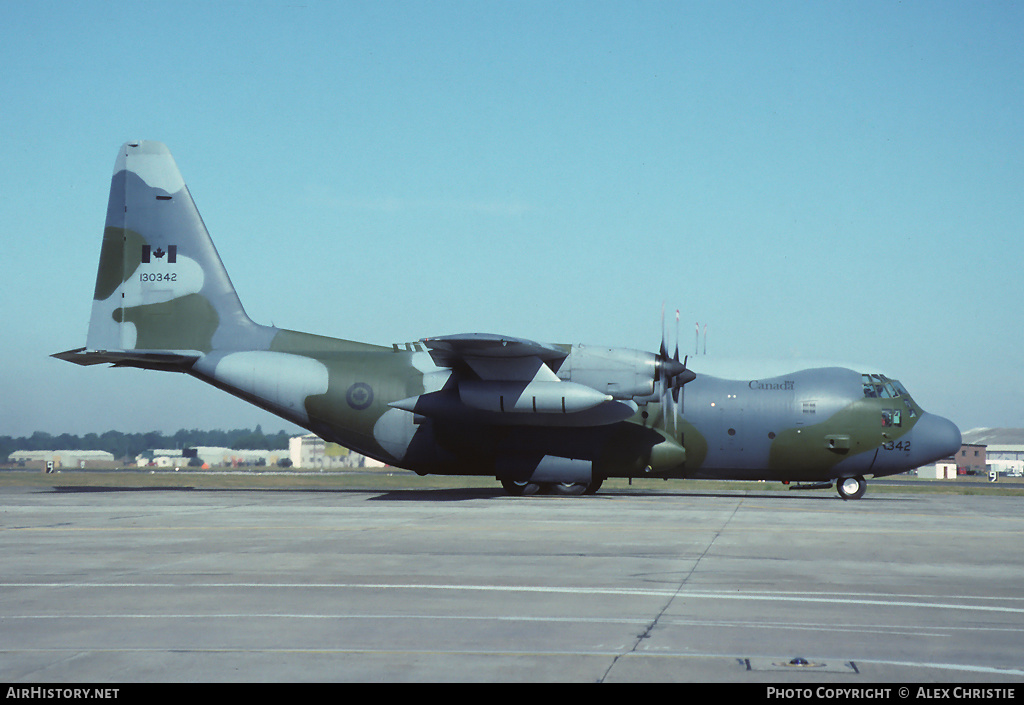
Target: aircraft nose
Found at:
936, 438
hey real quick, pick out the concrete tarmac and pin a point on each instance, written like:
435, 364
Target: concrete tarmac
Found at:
108, 585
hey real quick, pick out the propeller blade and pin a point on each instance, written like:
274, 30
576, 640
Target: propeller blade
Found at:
663, 350
682, 395
671, 376
676, 357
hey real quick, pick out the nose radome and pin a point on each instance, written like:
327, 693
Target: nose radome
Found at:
936, 437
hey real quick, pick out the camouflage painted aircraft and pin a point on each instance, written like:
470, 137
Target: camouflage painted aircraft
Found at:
538, 417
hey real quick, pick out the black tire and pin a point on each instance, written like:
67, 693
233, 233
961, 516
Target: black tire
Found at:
568, 488
520, 488
851, 487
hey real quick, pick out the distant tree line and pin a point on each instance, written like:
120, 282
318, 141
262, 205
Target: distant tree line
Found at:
129, 445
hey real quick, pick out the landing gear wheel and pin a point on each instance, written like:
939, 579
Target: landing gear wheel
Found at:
594, 486
520, 488
568, 488
851, 487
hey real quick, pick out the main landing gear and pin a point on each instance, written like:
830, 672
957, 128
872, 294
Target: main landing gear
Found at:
523, 488
851, 487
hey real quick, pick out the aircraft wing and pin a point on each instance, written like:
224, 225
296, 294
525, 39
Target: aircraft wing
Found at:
512, 381
488, 345
497, 357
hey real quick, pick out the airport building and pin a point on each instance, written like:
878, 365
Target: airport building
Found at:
310, 452
942, 470
80, 459
971, 458
209, 456
1004, 449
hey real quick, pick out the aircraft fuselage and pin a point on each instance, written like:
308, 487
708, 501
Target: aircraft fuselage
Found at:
807, 425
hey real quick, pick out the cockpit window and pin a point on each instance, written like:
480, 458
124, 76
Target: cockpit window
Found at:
869, 387
881, 387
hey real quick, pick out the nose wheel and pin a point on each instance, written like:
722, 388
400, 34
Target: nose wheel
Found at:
851, 487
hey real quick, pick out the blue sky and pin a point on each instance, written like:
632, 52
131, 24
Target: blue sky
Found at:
820, 180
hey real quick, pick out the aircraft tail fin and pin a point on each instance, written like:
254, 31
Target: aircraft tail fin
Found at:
162, 293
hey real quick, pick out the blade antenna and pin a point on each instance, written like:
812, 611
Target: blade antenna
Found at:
663, 351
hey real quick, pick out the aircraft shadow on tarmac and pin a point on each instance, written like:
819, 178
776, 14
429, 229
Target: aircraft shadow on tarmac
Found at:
467, 493
445, 494
461, 494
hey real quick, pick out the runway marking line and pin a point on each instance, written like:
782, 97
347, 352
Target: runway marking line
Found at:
847, 598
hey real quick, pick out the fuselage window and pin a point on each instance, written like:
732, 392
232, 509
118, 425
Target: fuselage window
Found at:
891, 417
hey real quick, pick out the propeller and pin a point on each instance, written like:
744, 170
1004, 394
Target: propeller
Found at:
672, 375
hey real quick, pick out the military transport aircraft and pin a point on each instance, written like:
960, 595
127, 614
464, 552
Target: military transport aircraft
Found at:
539, 417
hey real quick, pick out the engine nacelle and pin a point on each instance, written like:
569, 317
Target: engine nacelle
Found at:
529, 398
619, 372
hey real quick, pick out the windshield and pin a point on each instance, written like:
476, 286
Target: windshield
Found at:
881, 387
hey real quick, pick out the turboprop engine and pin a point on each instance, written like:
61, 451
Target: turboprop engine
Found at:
623, 373
618, 372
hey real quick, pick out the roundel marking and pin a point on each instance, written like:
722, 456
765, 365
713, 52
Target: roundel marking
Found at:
359, 396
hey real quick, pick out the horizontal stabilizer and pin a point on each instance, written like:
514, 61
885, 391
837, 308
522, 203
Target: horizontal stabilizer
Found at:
147, 359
